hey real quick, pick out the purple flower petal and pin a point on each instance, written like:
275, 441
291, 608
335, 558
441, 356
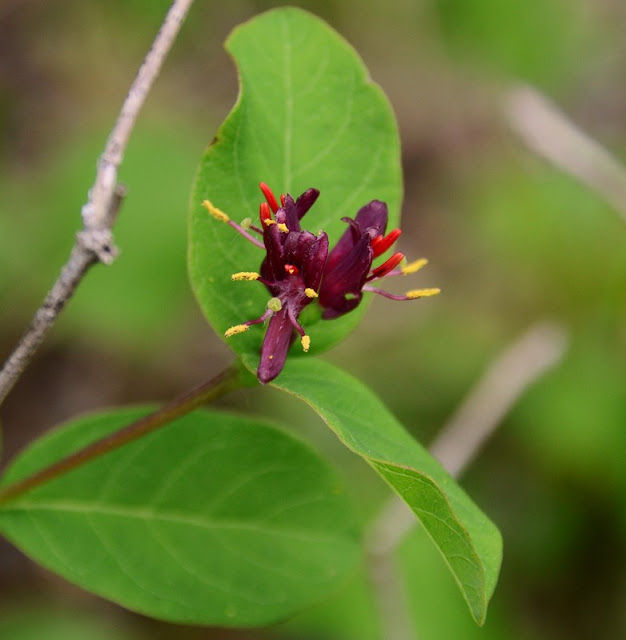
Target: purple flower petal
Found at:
341, 288
272, 268
373, 216
309, 253
278, 338
371, 219
294, 211
306, 201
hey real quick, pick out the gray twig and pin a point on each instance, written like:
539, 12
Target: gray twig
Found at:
94, 243
548, 132
477, 418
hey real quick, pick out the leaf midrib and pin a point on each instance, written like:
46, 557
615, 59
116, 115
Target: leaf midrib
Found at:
175, 517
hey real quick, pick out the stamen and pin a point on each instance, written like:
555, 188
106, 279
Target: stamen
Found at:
310, 293
381, 244
414, 266
422, 293
256, 229
305, 341
295, 324
292, 270
387, 266
245, 275
218, 214
246, 223
410, 295
238, 328
269, 196
283, 227
274, 304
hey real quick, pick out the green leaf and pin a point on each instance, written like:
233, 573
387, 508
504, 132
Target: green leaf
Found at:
215, 519
308, 115
470, 543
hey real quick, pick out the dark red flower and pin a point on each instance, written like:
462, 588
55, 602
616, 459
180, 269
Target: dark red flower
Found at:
298, 269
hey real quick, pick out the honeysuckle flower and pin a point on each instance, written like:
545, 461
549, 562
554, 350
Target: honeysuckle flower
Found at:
298, 269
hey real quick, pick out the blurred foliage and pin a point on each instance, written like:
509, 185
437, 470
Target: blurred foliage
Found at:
122, 303
534, 41
510, 241
31, 620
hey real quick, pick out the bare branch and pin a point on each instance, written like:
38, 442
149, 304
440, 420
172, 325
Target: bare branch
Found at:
548, 132
479, 415
513, 371
94, 243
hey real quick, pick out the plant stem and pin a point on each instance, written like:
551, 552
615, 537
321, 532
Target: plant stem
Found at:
229, 380
94, 243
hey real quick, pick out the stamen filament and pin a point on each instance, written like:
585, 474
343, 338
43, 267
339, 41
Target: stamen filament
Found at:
262, 318
246, 235
219, 215
240, 328
296, 325
410, 295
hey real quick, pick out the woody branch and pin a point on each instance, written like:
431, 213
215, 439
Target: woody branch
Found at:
94, 243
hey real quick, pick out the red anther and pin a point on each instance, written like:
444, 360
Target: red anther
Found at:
282, 199
291, 269
264, 213
269, 196
387, 266
381, 244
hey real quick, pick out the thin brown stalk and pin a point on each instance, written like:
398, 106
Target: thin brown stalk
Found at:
94, 243
227, 381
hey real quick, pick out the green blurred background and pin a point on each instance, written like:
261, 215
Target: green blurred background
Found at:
510, 239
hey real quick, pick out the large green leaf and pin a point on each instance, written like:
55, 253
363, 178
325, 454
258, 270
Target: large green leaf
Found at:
215, 519
468, 540
307, 116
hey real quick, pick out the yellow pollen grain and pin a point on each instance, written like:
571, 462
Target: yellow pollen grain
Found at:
246, 223
310, 293
218, 214
283, 227
414, 266
268, 221
305, 341
422, 293
245, 275
238, 328
274, 304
